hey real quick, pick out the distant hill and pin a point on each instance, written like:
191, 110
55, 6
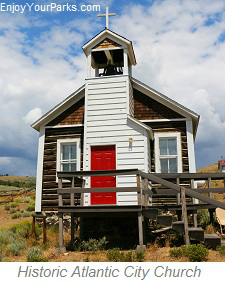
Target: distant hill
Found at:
209, 169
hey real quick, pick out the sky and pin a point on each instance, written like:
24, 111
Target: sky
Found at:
179, 47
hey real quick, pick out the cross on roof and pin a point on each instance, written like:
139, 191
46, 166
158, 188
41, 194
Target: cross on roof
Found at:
107, 15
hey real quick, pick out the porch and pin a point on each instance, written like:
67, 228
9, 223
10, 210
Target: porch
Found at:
187, 200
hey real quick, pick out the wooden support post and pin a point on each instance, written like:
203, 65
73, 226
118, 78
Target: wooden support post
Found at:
61, 246
44, 230
195, 219
33, 226
139, 194
141, 247
72, 194
178, 194
72, 229
184, 216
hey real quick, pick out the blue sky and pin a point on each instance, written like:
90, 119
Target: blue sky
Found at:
180, 51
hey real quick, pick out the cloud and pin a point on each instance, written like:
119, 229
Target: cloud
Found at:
179, 52
32, 115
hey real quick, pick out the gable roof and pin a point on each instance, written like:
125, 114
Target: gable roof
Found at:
163, 99
60, 108
145, 89
107, 33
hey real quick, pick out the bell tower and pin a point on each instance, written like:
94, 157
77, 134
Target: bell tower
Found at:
109, 102
108, 53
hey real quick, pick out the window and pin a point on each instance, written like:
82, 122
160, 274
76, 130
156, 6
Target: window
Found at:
68, 155
168, 153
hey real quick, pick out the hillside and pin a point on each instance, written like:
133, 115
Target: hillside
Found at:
209, 169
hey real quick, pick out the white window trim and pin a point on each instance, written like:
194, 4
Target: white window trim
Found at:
177, 135
67, 141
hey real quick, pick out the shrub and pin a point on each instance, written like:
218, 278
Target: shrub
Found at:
93, 245
6, 236
203, 218
140, 256
221, 250
27, 199
1, 255
196, 252
16, 215
7, 207
25, 214
120, 256
15, 247
31, 206
177, 252
13, 205
35, 255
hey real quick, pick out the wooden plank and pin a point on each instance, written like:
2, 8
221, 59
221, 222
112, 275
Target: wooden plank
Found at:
184, 216
196, 176
97, 190
98, 173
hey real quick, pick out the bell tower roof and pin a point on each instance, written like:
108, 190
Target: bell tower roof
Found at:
106, 40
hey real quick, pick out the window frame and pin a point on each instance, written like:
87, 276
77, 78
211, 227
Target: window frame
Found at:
176, 135
61, 142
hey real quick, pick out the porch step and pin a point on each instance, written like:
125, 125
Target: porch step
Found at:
178, 226
196, 233
151, 213
212, 240
164, 220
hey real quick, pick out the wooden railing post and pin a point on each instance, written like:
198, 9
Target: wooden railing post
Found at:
184, 216
195, 219
145, 197
61, 246
72, 194
178, 194
210, 186
139, 193
82, 194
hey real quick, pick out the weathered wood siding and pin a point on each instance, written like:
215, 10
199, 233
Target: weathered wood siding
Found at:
73, 115
107, 108
146, 108
49, 195
178, 126
106, 43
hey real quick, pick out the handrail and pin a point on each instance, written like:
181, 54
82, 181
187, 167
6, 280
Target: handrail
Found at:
197, 176
153, 177
190, 192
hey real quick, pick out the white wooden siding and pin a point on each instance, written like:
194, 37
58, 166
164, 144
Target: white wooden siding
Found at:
109, 100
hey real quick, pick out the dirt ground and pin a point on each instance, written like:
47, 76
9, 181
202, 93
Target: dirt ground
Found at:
5, 216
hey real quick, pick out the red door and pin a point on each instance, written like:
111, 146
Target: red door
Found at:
103, 158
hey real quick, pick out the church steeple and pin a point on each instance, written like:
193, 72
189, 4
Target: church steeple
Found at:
109, 53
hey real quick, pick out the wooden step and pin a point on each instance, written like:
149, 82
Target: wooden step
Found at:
196, 233
151, 213
165, 220
178, 226
212, 240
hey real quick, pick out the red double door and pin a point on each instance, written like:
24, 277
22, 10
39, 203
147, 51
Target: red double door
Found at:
103, 158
